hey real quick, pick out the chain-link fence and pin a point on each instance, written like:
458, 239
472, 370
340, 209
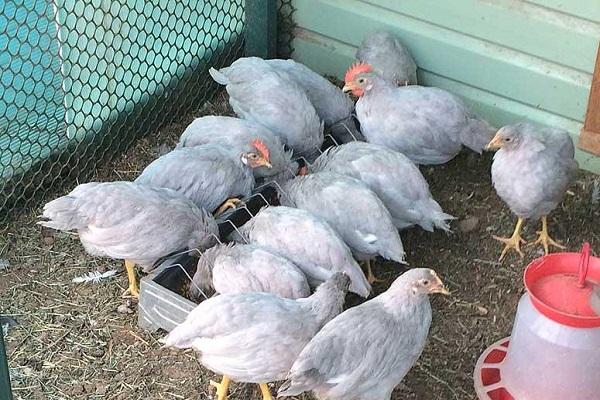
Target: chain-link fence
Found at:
82, 80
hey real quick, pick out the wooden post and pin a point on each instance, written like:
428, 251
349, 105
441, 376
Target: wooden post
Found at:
261, 28
5, 392
589, 138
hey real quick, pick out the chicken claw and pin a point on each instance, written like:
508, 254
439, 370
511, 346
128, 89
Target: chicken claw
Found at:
544, 238
133, 290
371, 278
513, 242
266, 393
222, 387
229, 203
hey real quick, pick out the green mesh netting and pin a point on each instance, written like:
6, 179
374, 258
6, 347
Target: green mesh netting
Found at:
81, 80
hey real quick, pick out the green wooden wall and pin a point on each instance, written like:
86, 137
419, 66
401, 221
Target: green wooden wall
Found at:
509, 59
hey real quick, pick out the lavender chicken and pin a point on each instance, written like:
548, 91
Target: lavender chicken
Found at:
255, 337
131, 222
366, 351
260, 94
531, 172
393, 177
352, 209
306, 240
238, 134
428, 125
244, 268
209, 175
331, 104
389, 57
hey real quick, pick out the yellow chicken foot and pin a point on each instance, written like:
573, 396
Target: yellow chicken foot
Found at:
222, 387
371, 278
544, 239
229, 203
266, 393
513, 242
133, 290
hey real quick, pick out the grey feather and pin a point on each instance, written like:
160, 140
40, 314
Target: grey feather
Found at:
243, 268
208, 175
393, 177
366, 351
255, 337
331, 104
237, 135
389, 58
533, 171
125, 220
260, 94
351, 208
309, 242
428, 125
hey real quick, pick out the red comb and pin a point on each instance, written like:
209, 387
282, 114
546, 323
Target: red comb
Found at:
262, 148
355, 69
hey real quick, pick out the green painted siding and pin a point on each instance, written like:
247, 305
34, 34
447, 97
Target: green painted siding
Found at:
509, 59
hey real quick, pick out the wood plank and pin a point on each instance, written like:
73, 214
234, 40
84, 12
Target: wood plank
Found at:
331, 57
459, 57
588, 9
525, 27
590, 135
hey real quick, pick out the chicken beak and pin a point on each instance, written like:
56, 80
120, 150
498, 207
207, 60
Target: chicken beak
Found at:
440, 288
495, 143
267, 164
349, 87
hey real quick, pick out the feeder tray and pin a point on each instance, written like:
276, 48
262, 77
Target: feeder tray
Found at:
162, 304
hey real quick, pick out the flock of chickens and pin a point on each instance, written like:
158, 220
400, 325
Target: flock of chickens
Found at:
343, 205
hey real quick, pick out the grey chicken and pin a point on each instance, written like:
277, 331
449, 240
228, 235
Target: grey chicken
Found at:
238, 134
428, 125
131, 222
258, 93
255, 337
393, 177
331, 104
309, 242
531, 172
352, 209
389, 57
243, 268
366, 351
209, 175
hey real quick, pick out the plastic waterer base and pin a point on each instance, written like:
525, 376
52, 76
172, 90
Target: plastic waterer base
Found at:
488, 373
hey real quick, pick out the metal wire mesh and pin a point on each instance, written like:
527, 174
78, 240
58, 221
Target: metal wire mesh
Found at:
285, 28
82, 80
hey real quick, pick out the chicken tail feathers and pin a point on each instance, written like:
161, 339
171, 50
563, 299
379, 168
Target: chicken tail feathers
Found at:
218, 76
299, 382
61, 214
434, 217
477, 135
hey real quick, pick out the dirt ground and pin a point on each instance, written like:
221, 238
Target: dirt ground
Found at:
81, 341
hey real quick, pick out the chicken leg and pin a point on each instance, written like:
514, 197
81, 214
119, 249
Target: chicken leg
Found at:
229, 203
266, 393
371, 278
222, 387
513, 242
133, 289
544, 238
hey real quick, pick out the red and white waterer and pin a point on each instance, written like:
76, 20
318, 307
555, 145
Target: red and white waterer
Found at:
553, 352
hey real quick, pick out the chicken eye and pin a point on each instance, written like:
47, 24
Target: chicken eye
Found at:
425, 282
507, 139
361, 80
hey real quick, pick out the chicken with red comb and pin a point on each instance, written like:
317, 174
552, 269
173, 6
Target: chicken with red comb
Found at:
261, 94
209, 175
428, 125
